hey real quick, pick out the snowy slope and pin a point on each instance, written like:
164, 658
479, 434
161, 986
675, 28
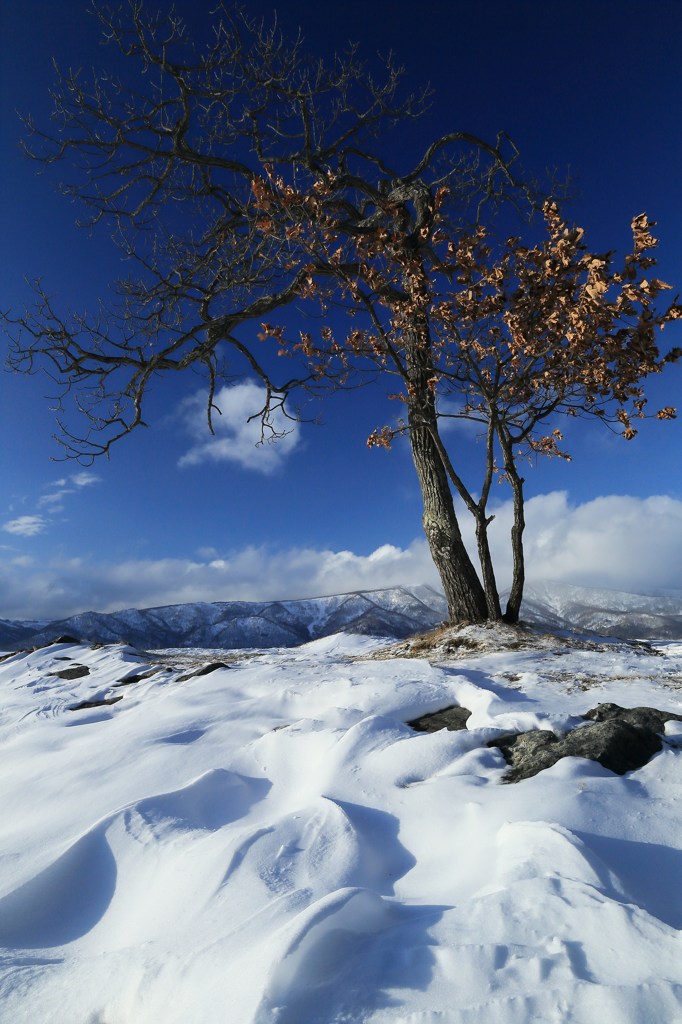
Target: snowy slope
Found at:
395, 612
271, 844
610, 612
15, 634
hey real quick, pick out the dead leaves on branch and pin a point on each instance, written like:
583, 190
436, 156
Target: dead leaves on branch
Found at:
528, 330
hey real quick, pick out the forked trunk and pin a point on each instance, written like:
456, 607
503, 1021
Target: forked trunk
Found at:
463, 590
477, 509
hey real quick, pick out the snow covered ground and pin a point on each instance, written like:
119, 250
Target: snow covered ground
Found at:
270, 843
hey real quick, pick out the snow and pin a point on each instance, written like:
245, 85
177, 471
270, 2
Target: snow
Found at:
270, 843
228, 625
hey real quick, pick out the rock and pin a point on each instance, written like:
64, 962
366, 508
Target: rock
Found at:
619, 739
135, 677
204, 671
103, 702
649, 718
76, 672
453, 718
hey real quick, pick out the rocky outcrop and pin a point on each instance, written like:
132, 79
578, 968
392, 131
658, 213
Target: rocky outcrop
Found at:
205, 670
453, 718
74, 672
619, 739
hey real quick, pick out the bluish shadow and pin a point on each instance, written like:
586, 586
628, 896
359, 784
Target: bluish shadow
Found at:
649, 872
63, 902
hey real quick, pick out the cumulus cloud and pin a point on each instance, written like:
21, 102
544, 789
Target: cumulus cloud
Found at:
54, 499
618, 542
236, 439
85, 478
25, 526
66, 586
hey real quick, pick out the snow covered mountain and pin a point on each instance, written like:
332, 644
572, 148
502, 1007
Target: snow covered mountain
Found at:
15, 634
610, 612
396, 612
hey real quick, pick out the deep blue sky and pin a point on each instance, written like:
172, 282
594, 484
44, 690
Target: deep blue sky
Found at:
590, 88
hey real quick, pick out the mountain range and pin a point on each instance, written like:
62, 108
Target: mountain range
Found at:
609, 612
396, 612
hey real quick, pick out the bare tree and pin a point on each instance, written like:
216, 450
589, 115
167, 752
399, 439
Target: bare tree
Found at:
167, 156
238, 179
531, 333
506, 335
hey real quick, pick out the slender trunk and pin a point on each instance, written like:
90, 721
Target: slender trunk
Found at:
463, 591
492, 595
519, 574
478, 510
485, 558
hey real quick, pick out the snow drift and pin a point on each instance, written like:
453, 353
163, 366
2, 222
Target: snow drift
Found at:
270, 843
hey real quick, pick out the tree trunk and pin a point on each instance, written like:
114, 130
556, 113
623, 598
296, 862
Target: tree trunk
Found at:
519, 575
485, 558
477, 509
463, 590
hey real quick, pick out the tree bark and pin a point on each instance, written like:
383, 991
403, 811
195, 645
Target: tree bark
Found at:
463, 591
513, 609
478, 511
485, 558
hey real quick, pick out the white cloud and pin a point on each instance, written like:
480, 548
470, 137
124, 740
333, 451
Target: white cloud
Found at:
25, 526
23, 561
54, 499
65, 586
85, 479
236, 439
618, 542
207, 553
50, 504
450, 410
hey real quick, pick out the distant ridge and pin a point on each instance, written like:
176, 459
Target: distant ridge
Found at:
396, 612
609, 612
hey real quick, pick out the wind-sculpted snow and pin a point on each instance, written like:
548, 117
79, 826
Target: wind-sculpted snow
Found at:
271, 843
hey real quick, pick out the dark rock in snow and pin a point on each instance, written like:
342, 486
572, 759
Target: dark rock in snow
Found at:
619, 739
75, 672
648, 718
85, 705
135, 677
203, 671
452, 718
